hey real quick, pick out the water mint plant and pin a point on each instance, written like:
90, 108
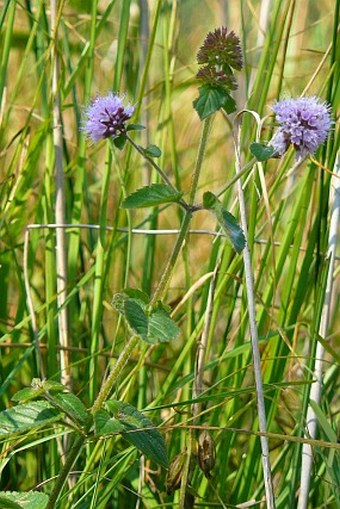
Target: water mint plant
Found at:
162, 355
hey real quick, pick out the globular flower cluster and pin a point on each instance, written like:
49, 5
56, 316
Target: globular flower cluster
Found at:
304, 123
106, 117
220, 54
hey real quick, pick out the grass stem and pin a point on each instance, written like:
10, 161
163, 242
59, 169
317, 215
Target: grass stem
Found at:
59, 205
316, 389
253, 327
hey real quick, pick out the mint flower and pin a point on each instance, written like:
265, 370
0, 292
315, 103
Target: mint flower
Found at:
220, 54
106, 117
304, 123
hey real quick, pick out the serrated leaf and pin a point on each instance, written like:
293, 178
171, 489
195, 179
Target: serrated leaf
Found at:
23, 500
37, 390
161, 327
229, 104
226, 220
232, 229
209, 200
120, 141
211, 99
147, 439
136, 317
153, 151
134, 293
73, 406
27, 416
7, 503
135, 127
262, 152
153, 327
27, 394
151, 196
105, 424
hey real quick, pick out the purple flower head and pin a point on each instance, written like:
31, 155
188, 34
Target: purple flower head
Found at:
304, 123
106, 116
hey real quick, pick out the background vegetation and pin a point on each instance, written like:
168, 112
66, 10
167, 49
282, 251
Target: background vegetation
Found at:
147, 50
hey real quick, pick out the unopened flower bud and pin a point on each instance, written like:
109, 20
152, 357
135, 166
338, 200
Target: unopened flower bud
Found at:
220, 54
206, 453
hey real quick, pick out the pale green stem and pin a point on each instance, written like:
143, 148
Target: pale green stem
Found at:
249, 280
158, 295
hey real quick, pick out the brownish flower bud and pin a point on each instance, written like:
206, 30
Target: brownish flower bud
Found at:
221, 49
206, 453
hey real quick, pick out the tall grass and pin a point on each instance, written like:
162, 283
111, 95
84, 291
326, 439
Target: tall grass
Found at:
150, 56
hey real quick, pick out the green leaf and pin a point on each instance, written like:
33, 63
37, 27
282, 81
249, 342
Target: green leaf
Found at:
152, 326
148, 439
8, 503
211, 99
134, 293
231, 228
153, 151
226, 220
105, 424
262, 152
72, 406
119, 142
229, 104
150, 196
23, 500
136, 318
209, 200
135, 127
27, 416
38, 388
161, 327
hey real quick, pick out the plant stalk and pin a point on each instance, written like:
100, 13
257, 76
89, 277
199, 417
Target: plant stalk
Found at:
159, 293
253, 329
114, 373
59, 206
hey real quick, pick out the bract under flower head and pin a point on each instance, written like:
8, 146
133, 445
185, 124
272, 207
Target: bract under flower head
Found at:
106, 117
304, 123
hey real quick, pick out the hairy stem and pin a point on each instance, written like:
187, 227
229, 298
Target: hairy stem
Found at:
159, 293
114, 373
